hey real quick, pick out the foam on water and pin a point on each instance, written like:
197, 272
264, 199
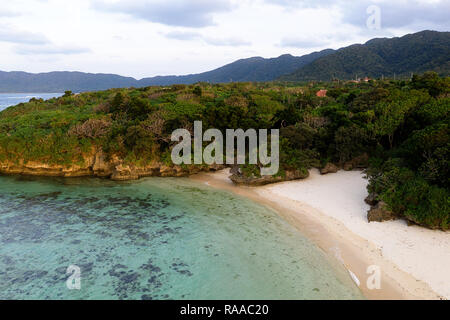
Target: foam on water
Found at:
157, 238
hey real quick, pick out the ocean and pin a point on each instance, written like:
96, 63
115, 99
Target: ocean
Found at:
156, 238
12, 99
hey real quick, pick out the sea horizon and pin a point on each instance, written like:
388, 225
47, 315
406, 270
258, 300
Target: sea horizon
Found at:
12, 99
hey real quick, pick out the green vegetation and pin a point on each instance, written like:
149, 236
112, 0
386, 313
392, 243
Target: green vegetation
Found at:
396, 57
398, 129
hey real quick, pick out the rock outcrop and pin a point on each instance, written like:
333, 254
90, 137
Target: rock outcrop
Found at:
329, 168
380, 212
96, 164
240, 179
359, 162
372, 199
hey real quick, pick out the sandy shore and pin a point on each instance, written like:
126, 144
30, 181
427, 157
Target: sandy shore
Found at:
330, 210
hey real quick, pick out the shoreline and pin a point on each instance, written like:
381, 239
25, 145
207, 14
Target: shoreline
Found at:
340, 242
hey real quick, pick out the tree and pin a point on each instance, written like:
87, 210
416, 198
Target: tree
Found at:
198, 91
92, 128
116, 104
67, 94
390, 116
431, 82
300, 136
350, 142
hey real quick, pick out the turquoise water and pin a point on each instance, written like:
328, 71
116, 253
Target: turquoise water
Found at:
12, 99
157, 238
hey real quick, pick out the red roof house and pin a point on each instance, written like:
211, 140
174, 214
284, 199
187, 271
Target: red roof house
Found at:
322, 93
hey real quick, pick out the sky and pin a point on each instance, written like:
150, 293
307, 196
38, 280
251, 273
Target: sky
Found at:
143, 38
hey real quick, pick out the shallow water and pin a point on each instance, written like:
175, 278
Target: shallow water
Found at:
12, 99
157, 238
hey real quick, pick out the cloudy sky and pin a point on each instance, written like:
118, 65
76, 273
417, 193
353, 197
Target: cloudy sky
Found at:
141, 38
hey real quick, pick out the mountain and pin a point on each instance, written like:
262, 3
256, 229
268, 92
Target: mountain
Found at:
252, 69
413, 53
61, 81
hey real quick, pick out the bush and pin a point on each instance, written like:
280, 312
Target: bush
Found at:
92, 128
410, 196
197, 91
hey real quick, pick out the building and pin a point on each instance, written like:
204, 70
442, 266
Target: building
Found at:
322, 93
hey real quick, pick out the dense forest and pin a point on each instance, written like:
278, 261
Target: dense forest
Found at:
397, 130
378, 58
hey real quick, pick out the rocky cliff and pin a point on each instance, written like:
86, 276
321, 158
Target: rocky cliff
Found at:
97, 165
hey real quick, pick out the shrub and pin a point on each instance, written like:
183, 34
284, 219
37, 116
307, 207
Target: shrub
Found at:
92, 128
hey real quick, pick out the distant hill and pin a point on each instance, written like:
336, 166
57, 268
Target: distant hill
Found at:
417, 53
61, 81
413, 53
252, 69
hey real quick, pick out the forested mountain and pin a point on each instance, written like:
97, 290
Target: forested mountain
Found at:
413, 53
252, 69
244, 70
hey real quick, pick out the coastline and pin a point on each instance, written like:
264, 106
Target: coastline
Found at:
344, 243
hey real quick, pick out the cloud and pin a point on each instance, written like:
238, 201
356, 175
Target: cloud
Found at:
7, 13
304, 42
394, 14
233, 42
185, 13
223, 42
49, 49
30, 43
183, 35
398, 14
300, 3
13, 35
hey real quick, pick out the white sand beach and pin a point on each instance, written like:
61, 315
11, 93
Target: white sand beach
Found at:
330, 210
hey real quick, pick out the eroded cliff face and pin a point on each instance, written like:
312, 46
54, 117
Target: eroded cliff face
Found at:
97, 165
